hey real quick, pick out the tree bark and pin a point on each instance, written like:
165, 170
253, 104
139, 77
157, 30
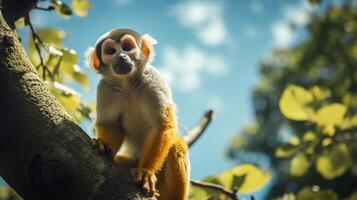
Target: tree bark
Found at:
44, 154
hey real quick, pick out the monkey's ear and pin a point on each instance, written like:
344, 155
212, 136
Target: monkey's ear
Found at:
147, 46
92, 59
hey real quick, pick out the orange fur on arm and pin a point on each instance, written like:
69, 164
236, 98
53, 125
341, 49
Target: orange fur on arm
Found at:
111, 135
157, 149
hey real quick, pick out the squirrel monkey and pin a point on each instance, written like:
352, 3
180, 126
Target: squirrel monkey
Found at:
136, 117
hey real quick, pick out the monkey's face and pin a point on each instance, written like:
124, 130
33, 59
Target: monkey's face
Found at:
122, 57
121, 53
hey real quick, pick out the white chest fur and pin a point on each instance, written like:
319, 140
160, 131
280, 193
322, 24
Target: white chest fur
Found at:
139, 109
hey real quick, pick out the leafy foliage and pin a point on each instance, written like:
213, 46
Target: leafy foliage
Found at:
58, 65
245, 178
306, 111
6, 193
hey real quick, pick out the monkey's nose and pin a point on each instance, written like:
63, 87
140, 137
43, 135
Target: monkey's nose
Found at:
122, 64
123, 57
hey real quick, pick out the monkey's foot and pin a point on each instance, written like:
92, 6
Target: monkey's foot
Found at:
102, 148
147, 179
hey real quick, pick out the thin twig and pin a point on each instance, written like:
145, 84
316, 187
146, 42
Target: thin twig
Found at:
193, 135
49, 8
37, 41
56, 68
232, 194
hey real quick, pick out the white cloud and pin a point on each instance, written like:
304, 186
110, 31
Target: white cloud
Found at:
256, 7
205, 19
283, 35
183, 68
294, 16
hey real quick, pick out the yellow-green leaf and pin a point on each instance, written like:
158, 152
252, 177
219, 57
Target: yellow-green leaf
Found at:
320, 93
20, 23
81, 7
294, 103
197, 193
52, 36
246, 178
316, 194
286, 150
353, 196
310, 136
300, 164
331, 115
349, 122
334, 161
68, 98
62, 9
80, 77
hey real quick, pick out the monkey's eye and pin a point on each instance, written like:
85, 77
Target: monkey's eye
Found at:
127, 47
110, 51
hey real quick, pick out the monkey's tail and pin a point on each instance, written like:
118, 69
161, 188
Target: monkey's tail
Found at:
176, 178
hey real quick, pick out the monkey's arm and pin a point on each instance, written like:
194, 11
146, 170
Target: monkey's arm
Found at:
156, 150
110, 134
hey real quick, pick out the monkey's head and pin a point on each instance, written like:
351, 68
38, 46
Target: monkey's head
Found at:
121, 53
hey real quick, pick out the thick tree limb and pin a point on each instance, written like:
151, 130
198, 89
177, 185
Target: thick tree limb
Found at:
47, 154
44, 154
15, 9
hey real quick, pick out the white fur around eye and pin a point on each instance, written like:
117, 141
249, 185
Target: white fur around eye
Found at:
128, 39
107, 44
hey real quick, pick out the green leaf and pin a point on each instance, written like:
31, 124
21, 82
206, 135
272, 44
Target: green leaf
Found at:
49, 36
320, 93
80, 77
353, 196
300, 164
334, 161
310, 194
349, 122
246, 178
197, 193
62, 9
68, 98
294, 103
20, 23
81, 7
286, 150
331, 115
310, 136
7, 193
52, 36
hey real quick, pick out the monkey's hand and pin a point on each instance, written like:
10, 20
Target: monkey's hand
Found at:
147, 179
102, 148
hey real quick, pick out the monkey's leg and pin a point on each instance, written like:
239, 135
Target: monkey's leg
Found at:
173, 183
109, 139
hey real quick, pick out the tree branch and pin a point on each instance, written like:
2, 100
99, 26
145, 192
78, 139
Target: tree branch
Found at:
192, 136
232, 194
44, 154
13, 10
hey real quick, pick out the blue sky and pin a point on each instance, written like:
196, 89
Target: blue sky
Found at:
208, 51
